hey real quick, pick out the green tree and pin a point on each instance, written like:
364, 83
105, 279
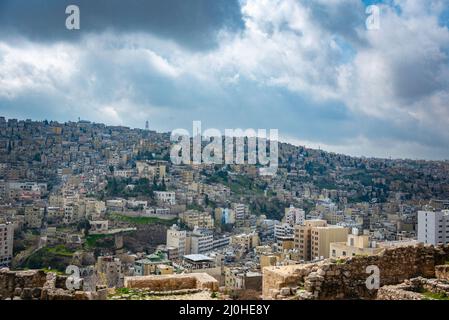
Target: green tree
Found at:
84, 225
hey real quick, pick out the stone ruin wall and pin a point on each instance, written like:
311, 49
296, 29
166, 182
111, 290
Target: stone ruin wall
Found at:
201, 281
412, 289
38, 285
346, 278
442, 272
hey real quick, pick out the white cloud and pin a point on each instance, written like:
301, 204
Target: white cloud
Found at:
403, 65
30, 66
399, 74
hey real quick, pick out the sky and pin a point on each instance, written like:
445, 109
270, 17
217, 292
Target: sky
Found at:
309, 68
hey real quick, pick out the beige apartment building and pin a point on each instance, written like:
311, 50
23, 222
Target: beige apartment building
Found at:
303, 236
322, 237
269, 260
355, 245
177, 238
313, 239
197, 219
187, 177
33, 216
151, 169
245, 241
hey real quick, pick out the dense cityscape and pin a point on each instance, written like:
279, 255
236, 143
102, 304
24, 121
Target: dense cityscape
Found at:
92, 211
223, 158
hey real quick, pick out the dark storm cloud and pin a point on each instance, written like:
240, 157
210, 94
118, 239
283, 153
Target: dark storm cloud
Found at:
192, 23
420, 77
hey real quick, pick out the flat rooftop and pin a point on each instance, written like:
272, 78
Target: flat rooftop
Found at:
197, 257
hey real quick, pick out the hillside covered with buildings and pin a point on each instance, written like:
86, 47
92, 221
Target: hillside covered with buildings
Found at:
107, 201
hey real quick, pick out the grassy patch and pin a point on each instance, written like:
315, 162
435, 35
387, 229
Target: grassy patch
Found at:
242, 184
122, 291
47, 270
435, 296
93, 239
60, 250
56, 258
143, 220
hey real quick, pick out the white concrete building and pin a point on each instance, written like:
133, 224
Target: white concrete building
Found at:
240, 211
267, 228
165, 196
6, 243
202, 241
433, 227
99, 226
177, 238
284, 230
123, 173
294, 216
27, 186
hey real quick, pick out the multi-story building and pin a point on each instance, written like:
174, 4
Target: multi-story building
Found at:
111, 269
55, 215
267, 228
94, 209
312, 240
151, 169
177, 238
70, 214
196, 262
34, 216
283, 230
245, 241
14, 188
123, 173
322, 237
294, 216
165, 197
241, 279
433, 227
6, 243
201, 241
99, 226
149, 265
224, 216
356, 244
221, 242
187, 176
240, 211
2, 186
198, 219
